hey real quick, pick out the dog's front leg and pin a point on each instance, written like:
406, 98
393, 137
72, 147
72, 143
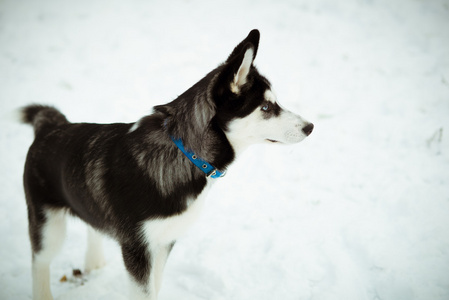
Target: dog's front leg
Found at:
159, 264
139, 261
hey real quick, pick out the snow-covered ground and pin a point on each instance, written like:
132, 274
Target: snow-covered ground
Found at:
359, 210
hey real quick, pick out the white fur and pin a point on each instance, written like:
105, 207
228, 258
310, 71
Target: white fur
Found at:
165, 231
158, 259
41, 281
134, 127
254, 128
270, 96
242, 73
136, 292
94, 254
159, 234
53, 234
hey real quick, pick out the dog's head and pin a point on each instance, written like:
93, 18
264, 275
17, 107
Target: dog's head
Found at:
237, 99
246, 107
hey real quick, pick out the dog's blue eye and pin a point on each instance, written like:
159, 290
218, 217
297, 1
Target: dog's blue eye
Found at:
266, 107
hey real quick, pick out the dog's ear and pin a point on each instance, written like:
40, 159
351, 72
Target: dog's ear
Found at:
235, 70
240, 77
252, 38
239, 63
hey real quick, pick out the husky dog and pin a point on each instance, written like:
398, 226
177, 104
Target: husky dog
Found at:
144, 183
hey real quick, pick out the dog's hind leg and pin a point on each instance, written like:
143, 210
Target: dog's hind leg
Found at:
94, 254
47, 233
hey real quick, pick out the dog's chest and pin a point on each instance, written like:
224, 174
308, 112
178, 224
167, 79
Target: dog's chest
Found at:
164, 231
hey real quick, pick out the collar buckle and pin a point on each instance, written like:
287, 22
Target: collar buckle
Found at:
216, 174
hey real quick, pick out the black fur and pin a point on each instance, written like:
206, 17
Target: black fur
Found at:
252, 39
41, 116
116, 176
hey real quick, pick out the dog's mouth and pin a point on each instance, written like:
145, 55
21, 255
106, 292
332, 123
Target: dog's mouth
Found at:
272, 141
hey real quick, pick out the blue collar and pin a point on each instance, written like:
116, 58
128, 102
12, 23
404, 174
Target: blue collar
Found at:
204, 166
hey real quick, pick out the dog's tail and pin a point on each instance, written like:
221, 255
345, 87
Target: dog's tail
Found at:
42, 117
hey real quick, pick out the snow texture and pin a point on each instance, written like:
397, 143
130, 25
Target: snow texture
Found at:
359, 210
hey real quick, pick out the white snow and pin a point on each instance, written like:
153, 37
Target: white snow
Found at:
359, 210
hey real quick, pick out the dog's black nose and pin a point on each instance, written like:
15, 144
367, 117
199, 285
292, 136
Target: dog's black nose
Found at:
308, 129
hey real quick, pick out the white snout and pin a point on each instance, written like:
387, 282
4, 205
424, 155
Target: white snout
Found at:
286, 128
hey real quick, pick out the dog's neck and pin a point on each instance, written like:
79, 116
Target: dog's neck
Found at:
201, 164
239, 145
211, 145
